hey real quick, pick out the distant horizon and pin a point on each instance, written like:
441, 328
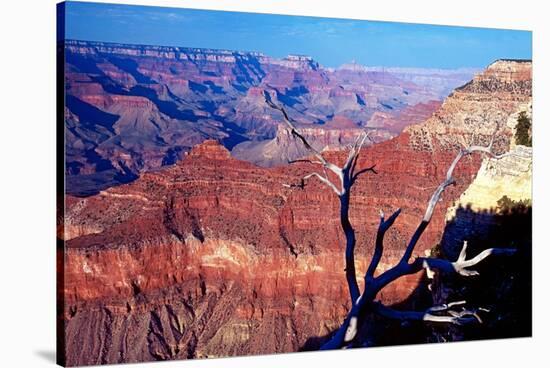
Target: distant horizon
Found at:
303, 55
332, 42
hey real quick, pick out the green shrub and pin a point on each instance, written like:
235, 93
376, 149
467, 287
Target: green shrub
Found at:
508, 205
523, 130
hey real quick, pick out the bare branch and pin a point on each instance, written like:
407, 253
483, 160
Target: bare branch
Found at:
460, 266
488, 151
355, 149
362, 171
348, 329
436, 196
304, 160
462, 317
346, 178
296, 134
352, 169
462, 254
338, 339
323, 179
379, 246
444, 307
349, 232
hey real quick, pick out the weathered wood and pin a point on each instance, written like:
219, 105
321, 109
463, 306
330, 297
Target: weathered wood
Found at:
363, 303
342, 189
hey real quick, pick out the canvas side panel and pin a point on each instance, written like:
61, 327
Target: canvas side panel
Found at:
60, 183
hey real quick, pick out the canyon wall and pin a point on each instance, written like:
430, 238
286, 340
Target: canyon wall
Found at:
213, 256
134, 108
337, 133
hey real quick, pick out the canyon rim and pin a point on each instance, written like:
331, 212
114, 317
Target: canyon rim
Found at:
301, 184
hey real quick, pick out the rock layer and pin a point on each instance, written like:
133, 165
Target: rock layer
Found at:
337, 133
510, 176
133, 108
213, 256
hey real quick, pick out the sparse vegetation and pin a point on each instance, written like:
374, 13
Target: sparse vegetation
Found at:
523, 130
508, 205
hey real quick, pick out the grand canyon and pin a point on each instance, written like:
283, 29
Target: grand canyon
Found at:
183, 232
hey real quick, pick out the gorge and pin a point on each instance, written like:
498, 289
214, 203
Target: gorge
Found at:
181, 240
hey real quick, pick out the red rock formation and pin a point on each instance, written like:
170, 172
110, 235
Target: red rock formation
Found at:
395, 123
339, 132
213, 225
133, 108
214, 257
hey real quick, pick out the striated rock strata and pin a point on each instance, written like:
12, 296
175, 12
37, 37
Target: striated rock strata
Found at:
337, 133
134, 108
214, 257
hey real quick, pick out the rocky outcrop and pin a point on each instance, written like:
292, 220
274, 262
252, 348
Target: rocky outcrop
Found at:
495, 210
337, 133
284, 148
213, 256
510, 176
473, 113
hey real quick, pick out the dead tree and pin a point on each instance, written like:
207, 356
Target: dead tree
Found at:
363, 303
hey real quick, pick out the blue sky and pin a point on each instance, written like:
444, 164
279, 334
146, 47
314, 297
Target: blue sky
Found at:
331, 42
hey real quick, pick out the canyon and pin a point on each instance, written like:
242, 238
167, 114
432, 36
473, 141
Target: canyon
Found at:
134, 108
208, 254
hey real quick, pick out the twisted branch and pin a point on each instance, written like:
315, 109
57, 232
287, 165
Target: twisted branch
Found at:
290, 124
323, 179
462, 317
436, 196
365, 303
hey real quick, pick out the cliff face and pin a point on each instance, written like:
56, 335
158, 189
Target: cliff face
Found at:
337, 133
476, 110
510, 176
477, 209
494, 211
212, 256
132, 108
